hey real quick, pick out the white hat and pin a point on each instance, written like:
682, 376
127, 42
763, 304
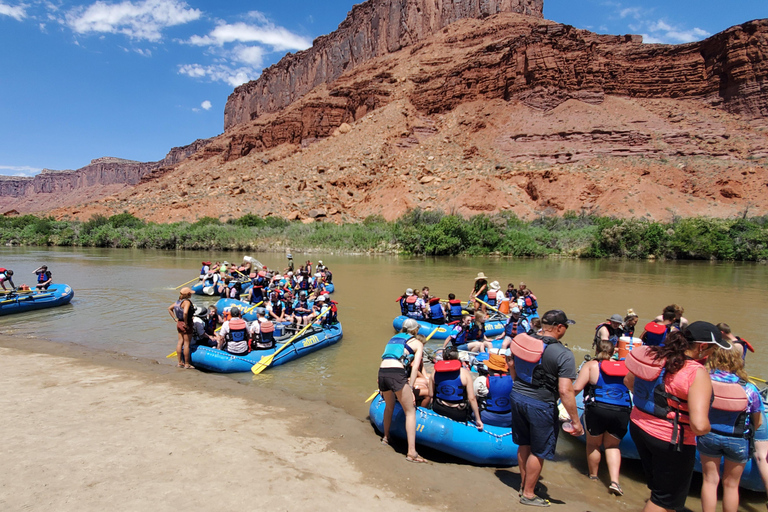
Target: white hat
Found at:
320, 299
495, 285
515, 310
290, 273
409, 292
320, 261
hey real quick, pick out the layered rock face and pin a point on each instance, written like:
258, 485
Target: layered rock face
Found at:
371, 29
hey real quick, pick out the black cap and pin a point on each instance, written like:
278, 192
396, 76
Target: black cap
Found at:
556, 317
234, 311
705, 332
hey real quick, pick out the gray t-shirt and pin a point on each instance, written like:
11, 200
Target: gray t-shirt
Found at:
557, 361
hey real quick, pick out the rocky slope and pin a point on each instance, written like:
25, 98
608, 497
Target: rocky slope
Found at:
372, 29
509, 113
103, 176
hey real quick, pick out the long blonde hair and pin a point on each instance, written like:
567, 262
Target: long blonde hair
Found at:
728, 361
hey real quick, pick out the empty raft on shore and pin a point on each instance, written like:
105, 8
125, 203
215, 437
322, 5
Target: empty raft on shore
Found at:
493, 446
312, 340
19, 302
750, 479
492, 327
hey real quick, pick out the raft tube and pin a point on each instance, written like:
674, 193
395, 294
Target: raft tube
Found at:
493, 446
750, 479
19, 302
312, 340
492, 327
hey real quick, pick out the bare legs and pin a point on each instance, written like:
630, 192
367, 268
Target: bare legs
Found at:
530, 470
731, 476
405, 397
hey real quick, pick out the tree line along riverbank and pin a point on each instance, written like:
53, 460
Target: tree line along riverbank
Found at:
418, 232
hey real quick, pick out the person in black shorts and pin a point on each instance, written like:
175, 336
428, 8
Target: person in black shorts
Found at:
402, 351
607, 405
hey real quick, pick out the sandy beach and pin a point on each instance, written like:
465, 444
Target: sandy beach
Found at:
86, 430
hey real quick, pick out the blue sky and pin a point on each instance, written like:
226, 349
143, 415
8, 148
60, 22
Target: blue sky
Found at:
131, 79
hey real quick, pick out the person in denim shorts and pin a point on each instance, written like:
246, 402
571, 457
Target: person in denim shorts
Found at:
729, 437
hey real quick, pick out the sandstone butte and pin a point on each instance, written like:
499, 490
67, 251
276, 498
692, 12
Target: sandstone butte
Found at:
471, 110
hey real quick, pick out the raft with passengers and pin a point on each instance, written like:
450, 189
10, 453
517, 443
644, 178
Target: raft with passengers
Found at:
736, 413
279, 320
46, 294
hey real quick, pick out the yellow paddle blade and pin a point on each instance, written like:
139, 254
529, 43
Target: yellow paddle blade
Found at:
262, 365
370, 398
172, 354
758, 380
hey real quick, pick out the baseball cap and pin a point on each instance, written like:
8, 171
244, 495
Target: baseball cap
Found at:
705, 332
556, 317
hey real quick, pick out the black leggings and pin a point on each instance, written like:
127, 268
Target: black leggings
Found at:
454, 413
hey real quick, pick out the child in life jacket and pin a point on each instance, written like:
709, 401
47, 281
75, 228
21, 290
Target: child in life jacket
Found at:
44, 278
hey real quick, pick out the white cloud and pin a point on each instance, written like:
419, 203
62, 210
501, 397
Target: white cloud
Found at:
279, 38
206, 105
220, 73
17, 12
140, 20
662, 32
20, 171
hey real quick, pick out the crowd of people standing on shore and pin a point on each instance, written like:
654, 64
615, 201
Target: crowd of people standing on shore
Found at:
684, 389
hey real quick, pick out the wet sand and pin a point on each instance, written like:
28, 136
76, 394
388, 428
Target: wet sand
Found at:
87, 430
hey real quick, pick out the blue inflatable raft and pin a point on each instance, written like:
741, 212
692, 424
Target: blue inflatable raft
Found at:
206, 288
492, 327
750, 479
493, 446
19, 302
312, 340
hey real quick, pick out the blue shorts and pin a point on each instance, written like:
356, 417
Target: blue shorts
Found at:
761, 434
734, 449
534, 424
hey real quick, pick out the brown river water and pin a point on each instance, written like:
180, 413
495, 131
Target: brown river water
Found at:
121, 298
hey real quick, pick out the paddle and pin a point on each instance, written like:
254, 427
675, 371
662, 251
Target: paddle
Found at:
195, 279
426, 340
266, 361
493, 308
758, 380
27, 297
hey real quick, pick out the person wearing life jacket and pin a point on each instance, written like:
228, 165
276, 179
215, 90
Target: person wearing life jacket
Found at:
530, 304
492, 392
235, 334
234, 290
6, 274
262, 331
302, 311
671, 393
453, 395
276, 308
325, 307
212, 321
655, 333
511, 293
607, 404
411, 305
678, 320
182, 311
516, 324
476, 332
256, 294
543, 370
495, 295
630, 321
199, 334
610, 330
736, 412
454, 309
740, 344
205, 269
395, 385
436, 312
458, 336
328, 276
44, 278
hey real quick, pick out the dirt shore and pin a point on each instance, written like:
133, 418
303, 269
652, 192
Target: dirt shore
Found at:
87, 430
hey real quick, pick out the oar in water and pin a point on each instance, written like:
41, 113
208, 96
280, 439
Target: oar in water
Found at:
266, 361
426, 340
195, 279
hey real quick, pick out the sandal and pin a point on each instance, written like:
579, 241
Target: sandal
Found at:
189, 367
180, 365
536, 501
417, 459
385, 441
615, 488
593, 477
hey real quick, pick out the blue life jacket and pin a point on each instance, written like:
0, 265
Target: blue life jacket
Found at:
533, 372
610, 388
288, 307
43, 276
301, 303
530, 305
728, 412
257, 294
497, 400
410, 307
403, 309
436, 311
475, 331
448, 386
455, 308
239, 332
512, 327
178, 309
398, 348
210, 324
655, 334
461, 337
277, 307
492, 299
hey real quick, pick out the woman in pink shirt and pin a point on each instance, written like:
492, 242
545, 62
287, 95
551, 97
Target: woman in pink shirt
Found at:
665, 436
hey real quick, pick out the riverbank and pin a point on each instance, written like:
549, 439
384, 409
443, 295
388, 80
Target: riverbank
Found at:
419, 233
85, 430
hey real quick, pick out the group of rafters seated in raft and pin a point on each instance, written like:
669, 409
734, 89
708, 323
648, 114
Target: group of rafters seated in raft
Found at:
488, 298
239, 337
228, 281
44, 279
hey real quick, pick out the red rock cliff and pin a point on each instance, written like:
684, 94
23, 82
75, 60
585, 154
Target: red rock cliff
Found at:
371, 29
